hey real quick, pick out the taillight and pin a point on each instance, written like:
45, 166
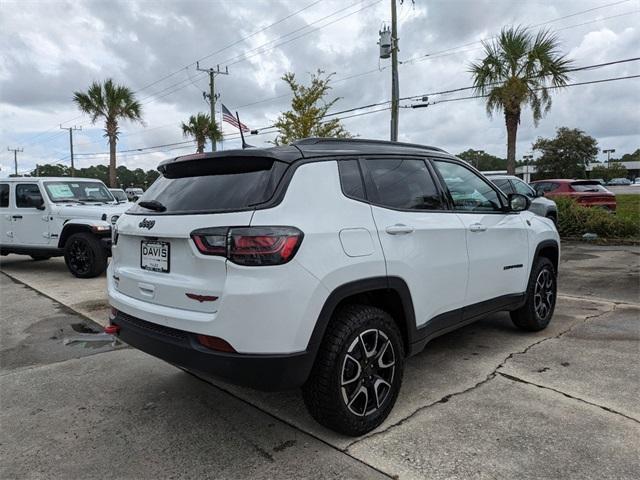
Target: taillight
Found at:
252, 246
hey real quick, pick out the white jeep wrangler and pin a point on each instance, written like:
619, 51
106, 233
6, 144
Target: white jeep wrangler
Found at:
46, 217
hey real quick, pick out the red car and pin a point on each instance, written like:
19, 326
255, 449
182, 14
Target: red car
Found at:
588, 193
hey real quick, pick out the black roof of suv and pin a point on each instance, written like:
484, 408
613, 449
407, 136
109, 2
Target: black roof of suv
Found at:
313, 147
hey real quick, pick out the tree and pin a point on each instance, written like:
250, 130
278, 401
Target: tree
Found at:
113, 103
615, 170
125, 177
49, 170
483, 161
518, 70
201, 127
567, 155
308, 108
629, 157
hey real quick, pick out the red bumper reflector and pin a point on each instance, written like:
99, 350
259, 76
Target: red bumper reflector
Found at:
112, 329
215, 343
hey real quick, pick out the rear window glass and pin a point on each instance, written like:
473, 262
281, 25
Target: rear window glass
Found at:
213, 185
588, 187
4, 195
351, 179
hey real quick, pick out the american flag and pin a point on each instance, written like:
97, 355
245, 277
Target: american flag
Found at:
228, 117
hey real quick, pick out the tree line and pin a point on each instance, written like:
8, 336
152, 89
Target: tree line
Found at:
124, 177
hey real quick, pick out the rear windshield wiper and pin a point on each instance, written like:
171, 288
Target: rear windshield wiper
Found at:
153, 205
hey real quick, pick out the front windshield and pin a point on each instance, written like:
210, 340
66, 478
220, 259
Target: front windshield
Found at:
81, 192
523, 189
120, 195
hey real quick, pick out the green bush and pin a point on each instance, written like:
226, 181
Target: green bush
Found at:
575, 220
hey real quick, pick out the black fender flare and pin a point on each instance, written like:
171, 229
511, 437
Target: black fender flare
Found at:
363, 286
547, 244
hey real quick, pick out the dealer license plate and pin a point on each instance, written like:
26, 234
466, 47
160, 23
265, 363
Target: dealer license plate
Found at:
154, 256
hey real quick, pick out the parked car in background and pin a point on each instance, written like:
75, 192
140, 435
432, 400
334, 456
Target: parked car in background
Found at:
619, 181
323, 264
540, 205
119, 195
588, 193
133, 193
46, 217
599, 180
636, 182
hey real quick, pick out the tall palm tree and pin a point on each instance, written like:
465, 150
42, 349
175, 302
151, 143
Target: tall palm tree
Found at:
518, 69
201, 127
112, 102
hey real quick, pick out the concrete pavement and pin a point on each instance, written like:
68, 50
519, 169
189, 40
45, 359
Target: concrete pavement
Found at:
487, 401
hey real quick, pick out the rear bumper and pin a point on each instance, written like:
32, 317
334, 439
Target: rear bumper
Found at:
263, 372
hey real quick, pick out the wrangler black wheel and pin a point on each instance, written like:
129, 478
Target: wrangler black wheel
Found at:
358, 371
84, 255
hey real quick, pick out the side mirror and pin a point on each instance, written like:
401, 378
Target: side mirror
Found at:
518, 202
539, 193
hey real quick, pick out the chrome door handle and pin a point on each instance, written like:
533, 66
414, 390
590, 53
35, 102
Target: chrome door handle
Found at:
477, 227
399, 229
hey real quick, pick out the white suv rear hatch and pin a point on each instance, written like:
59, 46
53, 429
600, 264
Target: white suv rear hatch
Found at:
155, 258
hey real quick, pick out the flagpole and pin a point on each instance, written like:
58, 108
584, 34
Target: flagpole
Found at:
221, 128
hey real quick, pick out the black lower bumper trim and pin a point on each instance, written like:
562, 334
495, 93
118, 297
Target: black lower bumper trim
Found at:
262, 372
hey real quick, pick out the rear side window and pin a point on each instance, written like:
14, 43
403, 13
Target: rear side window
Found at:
4, 195
213, 185
403, 183
28, 195
351, 179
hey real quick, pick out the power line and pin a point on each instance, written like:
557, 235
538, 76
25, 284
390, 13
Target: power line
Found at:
446, 100
410, 60
257, 50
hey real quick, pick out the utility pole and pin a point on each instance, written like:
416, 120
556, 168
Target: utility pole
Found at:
609, 152
15, 157
395, 87
212, 94
71, 129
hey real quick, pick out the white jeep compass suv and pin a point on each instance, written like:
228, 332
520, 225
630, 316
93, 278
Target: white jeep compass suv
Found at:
323, 264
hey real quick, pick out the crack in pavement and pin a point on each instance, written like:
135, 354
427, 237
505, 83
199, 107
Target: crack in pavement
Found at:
513, 378
490, 377
598, 300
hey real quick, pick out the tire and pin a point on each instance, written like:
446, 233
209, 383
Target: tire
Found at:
84, 255
538, 309
37, 258
356, 334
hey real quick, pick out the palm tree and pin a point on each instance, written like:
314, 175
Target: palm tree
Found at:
518, 70
112, 102
201, 127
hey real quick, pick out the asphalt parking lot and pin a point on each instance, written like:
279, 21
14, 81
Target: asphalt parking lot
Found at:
487, 401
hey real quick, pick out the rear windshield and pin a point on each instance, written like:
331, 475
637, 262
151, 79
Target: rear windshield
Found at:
588, 187
213, 185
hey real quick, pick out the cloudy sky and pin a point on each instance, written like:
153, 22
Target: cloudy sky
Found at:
52, 48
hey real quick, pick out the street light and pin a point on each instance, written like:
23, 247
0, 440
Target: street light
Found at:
609, 152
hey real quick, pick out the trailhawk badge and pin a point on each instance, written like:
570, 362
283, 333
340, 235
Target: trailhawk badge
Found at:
148, 224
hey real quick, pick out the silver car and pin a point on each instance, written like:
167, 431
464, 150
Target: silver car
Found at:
539, 205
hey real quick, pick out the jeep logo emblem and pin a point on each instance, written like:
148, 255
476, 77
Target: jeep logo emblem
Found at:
148, 224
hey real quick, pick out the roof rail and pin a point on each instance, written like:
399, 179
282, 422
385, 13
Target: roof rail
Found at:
318, 140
